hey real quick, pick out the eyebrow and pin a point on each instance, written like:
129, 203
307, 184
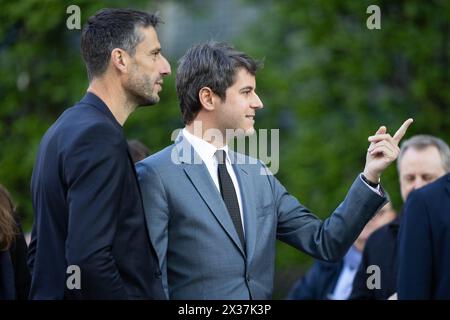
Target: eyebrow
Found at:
155, 50
246, 88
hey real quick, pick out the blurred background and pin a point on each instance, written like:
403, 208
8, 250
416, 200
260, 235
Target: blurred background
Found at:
328, 83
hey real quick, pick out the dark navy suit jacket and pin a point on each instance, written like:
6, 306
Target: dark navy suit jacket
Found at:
424, 243
318, 283
380, 250
88, 212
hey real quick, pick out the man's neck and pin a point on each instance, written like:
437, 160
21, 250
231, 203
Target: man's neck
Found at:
209, 134
114, 98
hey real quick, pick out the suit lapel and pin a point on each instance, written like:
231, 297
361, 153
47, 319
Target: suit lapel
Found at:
198, 174
248, 203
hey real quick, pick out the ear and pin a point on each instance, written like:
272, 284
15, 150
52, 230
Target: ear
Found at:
120, 59
207, 98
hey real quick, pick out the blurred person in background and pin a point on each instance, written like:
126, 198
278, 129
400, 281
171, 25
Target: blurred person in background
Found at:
138, 150
424, 243
14, 274
334, 280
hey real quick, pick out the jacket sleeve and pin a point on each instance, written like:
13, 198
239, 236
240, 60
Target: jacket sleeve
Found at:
95, 169
156, 214
330, 239
414, 251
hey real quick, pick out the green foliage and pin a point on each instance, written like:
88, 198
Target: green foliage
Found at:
328, 83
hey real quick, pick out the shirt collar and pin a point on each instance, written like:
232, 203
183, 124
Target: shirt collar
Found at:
353, 258
204, 149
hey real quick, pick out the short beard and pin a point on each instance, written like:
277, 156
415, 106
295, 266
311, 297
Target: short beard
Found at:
137, 91
143, 101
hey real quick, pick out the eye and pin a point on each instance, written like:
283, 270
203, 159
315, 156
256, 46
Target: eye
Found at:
155, 54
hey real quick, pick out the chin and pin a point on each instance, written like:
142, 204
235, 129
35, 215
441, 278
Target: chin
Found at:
250, 131
243, 132
149, 101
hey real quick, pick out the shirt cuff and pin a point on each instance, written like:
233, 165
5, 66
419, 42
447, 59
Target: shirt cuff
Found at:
377, 190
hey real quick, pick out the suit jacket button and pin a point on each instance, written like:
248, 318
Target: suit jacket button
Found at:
158, 274
248, 278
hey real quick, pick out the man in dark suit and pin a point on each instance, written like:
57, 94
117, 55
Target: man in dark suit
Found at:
89, 238
424, 243
214, 215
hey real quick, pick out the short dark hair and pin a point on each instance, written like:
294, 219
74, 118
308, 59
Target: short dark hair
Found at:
211, 64
109, 29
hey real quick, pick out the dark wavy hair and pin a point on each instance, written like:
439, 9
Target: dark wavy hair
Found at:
8, 227
211, 64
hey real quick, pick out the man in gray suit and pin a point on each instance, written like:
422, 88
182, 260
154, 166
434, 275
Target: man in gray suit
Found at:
213, 214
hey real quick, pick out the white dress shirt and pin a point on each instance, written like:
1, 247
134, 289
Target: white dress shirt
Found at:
206, 152
377, 190
344, 285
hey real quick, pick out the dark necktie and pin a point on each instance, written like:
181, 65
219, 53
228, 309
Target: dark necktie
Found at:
229, 194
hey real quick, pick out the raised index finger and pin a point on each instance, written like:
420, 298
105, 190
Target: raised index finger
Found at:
402, 130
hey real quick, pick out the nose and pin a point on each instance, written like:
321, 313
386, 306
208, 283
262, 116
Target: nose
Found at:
257, 103
165, 67
418, 183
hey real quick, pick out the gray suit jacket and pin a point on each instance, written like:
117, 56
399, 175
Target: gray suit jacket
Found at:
198, 247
